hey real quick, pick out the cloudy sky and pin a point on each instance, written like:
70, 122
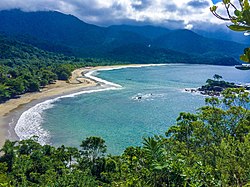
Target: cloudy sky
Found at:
171, 13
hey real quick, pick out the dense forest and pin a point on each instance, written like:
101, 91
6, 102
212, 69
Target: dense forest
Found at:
32, 58
24, 68
60, 33
208, 148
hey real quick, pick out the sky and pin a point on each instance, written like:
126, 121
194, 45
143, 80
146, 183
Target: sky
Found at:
189, 14
216, 1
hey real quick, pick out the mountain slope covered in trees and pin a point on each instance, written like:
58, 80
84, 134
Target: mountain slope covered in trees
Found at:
24, 68
57, 32
190, 42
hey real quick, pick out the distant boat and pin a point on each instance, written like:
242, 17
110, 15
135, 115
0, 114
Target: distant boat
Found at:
243, 67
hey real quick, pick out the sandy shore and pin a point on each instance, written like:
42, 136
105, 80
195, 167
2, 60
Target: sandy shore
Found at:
75, 83
13, 108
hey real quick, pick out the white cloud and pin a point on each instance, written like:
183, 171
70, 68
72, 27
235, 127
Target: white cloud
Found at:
180, 13
189, 26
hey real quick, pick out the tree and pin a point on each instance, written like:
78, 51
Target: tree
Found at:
153, 149
217, 77
16, 86
4, 93
93, 148
8, 154
239, 16
63, 71
208, 148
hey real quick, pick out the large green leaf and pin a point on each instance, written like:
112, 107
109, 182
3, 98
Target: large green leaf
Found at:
237, 12
244, 58
226, 1
238, 28
246, 16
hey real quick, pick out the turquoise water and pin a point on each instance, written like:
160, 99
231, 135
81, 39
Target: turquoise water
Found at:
120, 118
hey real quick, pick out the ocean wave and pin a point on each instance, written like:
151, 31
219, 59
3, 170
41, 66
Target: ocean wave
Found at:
193, 91
90, 75
148, 96
30, 122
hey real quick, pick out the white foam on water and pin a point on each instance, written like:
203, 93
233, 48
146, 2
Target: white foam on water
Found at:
89, 75
30, 122
147, 96
195, 92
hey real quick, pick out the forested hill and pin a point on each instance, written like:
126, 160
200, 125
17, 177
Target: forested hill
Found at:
60, 33
38, 48
11, 48
24, 68
190, 42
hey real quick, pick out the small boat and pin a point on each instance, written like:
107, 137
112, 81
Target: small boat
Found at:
243, 67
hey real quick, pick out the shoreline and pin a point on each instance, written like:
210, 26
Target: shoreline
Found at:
81, 81
11, 110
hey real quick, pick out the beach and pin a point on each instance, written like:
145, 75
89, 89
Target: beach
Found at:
11, 110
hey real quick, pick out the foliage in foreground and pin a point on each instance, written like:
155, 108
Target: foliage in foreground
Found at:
238, 13
208, 148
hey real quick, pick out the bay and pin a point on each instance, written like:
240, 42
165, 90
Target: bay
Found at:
119, 117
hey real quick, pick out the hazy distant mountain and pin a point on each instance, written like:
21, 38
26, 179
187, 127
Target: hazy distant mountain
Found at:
225, 34
139, 53
147, 31
57, 32
189, 42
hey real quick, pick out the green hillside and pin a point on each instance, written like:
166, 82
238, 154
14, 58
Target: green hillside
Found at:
192, 43
24, 68
60, 33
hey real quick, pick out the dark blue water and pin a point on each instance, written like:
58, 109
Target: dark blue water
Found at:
121, 119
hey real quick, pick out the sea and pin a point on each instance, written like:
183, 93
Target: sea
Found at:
130, 104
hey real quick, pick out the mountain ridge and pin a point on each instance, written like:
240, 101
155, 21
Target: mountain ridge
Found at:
61, 33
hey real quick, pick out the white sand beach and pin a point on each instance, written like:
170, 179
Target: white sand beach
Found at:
78, 82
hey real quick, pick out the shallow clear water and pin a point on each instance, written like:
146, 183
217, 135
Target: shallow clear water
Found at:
121, 119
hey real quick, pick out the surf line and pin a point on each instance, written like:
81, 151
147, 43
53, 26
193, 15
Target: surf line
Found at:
29, 123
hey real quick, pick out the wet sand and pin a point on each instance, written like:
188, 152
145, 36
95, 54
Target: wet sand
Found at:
11, 110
